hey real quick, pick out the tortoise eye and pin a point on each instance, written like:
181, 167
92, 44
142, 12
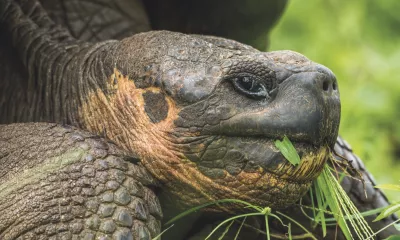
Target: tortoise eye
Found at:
250, 86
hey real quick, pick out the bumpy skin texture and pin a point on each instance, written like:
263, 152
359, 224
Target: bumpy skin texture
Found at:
58, 182
353, 186
209, 94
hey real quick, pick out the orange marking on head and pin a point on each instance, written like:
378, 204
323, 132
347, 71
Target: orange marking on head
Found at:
122, 114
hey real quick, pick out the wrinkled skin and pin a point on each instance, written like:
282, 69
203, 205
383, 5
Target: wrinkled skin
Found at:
197, 77
205, 112
201, 113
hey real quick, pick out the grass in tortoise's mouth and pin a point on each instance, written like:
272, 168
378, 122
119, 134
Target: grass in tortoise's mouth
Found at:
328, 192
301, 169
305, 167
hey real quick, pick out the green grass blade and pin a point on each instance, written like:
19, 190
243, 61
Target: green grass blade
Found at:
394, 187
389, 210
194, 209
231, 219
325, 186
382, 229
310, 235
393, 237
240, 228
226, 230
358, 222
288, 150
312, 201
267, 227
321, 205
364, 214
277, 217
159, 235
341, 205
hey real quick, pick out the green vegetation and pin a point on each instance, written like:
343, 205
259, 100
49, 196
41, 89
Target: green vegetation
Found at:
254, 211
288, 151
330, 199
330, 194
392, 208
359, 41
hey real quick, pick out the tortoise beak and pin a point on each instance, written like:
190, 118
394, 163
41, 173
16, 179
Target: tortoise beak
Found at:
306, 108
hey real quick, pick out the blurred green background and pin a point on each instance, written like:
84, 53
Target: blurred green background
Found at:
360, 42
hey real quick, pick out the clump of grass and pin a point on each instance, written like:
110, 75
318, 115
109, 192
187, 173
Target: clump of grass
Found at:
329, 193
389, 210
265, 212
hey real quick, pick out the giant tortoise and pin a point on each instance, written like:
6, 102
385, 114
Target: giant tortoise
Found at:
139, 125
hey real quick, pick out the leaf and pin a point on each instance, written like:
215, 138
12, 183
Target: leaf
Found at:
288, 151
393, 237
388, 187
389, 210
397, 226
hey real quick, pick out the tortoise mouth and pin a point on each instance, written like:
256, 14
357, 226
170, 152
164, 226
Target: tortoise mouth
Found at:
312, 161
252, 169
258, 155
283, 183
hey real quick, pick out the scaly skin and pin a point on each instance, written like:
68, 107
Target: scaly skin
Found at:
63, 183
364, 199
193, 83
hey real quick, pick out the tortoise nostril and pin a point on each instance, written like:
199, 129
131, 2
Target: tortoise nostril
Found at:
334, 86
325, 85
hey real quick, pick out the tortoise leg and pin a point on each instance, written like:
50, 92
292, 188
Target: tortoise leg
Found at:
58, 182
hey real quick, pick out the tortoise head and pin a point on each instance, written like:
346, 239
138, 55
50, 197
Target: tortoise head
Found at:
203, 114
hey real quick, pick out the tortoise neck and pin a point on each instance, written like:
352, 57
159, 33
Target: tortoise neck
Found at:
59, 69
33, 34
56, 90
